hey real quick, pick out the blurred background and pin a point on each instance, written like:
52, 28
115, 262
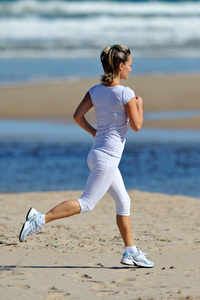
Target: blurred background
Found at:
60, 41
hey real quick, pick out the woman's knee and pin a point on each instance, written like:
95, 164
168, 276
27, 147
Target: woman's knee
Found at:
123, 207
86, 206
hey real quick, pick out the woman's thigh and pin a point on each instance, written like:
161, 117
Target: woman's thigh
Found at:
103, 168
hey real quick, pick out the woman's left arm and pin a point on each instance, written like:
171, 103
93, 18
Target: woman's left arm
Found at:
79, 115
134, 111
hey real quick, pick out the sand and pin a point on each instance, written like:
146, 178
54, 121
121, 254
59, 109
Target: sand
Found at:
58, 100
79, 257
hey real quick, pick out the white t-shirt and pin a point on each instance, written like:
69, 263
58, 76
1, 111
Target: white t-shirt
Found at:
112, 120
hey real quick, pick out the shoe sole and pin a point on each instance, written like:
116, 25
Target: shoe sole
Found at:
133, 265
143, 266
24, 225
28, 214
21, 233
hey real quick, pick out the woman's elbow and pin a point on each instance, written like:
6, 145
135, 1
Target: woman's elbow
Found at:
135, 127
75, 116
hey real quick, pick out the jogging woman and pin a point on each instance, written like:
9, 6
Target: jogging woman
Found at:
114, 106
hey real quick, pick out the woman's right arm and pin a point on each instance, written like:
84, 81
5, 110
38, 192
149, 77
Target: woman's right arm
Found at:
134, 109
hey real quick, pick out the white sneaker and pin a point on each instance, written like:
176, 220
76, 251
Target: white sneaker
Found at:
30, 227
32, 211
138, 259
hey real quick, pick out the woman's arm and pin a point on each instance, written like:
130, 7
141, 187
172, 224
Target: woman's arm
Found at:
79, 115
134, 111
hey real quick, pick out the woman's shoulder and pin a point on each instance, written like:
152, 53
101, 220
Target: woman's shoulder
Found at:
117, 88
127, 90
128, 94
124, 88
95, 87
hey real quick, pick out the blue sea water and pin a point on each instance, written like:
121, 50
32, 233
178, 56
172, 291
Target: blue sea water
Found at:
45, 156
19, 71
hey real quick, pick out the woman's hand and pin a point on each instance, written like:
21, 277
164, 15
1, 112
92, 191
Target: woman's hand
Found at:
139, 101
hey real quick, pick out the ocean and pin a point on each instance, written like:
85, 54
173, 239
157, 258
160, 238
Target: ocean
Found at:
57, 39
47, 156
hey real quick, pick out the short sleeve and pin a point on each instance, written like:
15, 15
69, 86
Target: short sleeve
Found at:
91, 91
128, 94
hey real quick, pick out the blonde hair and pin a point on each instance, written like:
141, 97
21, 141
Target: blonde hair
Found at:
111, 57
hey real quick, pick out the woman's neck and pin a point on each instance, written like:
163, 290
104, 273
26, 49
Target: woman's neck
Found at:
115, 82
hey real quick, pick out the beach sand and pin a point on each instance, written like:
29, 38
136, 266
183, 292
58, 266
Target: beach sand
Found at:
79, 257
58, 100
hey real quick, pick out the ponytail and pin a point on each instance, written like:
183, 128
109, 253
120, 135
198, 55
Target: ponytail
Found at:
111, 57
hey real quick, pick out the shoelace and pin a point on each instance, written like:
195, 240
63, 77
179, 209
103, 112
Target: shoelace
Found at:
142, 253
34, 226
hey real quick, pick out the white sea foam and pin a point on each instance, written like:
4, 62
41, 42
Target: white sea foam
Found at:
98, 7
31, 28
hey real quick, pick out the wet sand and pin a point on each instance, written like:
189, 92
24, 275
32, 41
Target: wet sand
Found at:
58, 101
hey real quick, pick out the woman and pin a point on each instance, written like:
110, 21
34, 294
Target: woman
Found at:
114, 105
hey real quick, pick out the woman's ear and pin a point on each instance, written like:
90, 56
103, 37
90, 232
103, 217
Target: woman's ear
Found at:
121, 65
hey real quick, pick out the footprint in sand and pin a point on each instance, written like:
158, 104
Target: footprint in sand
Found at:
103, 289
19, 286
57, 296
125, 269
55, 293
125, 282
105, 293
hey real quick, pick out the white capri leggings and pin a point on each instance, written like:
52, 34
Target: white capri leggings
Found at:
104, 177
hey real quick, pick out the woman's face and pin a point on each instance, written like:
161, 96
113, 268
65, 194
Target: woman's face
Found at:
126, 68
